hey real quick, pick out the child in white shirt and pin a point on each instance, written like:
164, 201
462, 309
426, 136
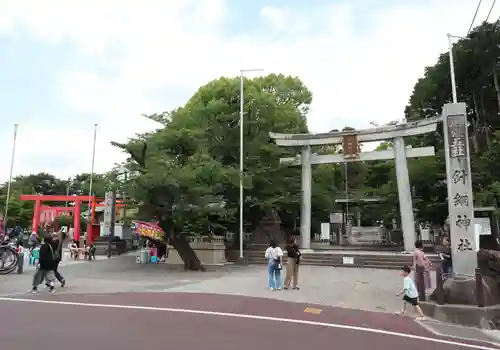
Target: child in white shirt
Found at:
410, 293
274, 254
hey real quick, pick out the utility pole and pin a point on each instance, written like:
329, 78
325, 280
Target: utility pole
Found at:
6, 214
242, 102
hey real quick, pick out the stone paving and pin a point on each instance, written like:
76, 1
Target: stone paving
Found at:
118, 274
364, 289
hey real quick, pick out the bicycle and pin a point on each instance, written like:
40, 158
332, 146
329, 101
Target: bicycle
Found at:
8, 256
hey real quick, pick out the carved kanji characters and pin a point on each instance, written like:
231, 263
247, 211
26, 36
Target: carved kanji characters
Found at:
457, 147
461, 200
459, 175
462, 221
464, 245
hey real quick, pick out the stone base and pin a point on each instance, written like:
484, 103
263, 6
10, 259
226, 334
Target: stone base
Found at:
465, 315
321, 245
462, 291
460, 303
241, 261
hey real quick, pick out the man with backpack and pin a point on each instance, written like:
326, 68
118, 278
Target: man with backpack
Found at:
57, 243
32, 239
46, 265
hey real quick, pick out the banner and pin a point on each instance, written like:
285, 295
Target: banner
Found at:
149, 230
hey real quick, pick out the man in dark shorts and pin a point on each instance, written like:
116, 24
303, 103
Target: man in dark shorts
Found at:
409, 292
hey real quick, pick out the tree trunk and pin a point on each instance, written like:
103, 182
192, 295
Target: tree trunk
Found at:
181, 244
187, 254
475, 123
497, 87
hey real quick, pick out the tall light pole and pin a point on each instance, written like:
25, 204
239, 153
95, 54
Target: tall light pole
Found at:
13, 154
89, 215
452, 65
68, 185
242, 79
346, 202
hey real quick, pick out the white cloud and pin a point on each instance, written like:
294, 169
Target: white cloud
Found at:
274, 16
356, 74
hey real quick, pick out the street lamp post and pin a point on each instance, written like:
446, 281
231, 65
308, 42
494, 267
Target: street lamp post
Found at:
92, 166
452, 65
242, 79
91, 182
6, 214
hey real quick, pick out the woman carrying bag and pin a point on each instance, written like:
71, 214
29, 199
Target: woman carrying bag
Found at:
274, 254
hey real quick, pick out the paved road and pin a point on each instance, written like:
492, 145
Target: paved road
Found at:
203, 321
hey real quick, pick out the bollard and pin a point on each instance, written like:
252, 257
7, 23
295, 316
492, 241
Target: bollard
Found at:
419, 279
479, 289
439, 286
20, 263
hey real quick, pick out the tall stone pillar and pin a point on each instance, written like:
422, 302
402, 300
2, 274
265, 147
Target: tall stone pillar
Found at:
459, 183
404, 192
358, 218
305, 216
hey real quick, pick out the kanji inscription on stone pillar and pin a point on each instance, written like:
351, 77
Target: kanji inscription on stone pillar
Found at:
460, 201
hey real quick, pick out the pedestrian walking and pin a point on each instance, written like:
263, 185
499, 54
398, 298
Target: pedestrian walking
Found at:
46, 266
292, 264
446, 259
420, 259
274, 254
57, 243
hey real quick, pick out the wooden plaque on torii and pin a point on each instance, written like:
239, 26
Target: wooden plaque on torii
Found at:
351, 147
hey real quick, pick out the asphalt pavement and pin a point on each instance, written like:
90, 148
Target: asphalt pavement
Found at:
204, 321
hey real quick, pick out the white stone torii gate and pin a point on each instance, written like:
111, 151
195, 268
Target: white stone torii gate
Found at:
350, 140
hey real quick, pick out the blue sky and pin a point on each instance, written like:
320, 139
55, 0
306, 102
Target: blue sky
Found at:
66, 65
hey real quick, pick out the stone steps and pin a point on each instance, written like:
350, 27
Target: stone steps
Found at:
358, 259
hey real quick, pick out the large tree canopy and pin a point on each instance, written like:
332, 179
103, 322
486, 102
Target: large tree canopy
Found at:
188, 171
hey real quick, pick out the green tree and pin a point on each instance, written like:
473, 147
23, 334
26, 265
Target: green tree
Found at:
187, 174
80, 184
20, 212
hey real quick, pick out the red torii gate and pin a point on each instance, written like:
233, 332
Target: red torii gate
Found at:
49, 214
39, 198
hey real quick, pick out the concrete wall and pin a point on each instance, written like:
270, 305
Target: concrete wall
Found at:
211, 252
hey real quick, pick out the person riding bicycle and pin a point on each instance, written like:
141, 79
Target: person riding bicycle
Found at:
16, 233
